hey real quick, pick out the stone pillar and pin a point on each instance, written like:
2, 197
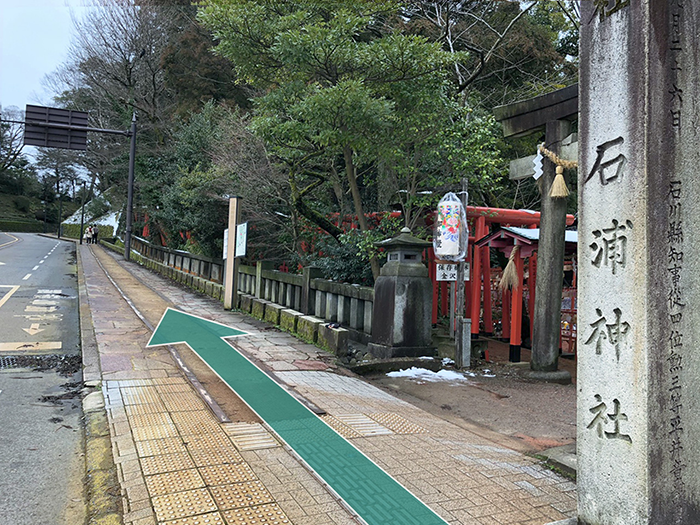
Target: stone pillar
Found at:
307, 294
638, 321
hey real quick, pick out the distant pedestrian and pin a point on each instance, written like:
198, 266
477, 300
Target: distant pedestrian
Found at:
95, 232
88, 234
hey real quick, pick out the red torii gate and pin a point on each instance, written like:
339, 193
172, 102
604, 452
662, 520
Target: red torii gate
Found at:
479, 259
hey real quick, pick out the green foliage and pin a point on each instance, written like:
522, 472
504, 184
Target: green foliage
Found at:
72, 231
23, 204
348, 260
21, 226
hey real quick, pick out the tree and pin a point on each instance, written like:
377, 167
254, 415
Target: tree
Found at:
11, 138
337, 88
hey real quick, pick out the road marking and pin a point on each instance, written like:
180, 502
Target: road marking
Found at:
2, 264
14, 239
46, 346
26, 277
13, 289
44, 302
35, 268
42, 309
33, 329
42, 292
367, 489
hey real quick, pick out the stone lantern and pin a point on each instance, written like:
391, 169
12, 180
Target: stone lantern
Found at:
403, 294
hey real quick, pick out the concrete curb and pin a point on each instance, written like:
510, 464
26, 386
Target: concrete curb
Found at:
103, 492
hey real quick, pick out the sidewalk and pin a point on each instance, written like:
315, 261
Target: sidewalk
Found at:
180, 461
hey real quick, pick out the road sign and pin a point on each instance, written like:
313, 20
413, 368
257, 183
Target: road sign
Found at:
374, 495
55, 128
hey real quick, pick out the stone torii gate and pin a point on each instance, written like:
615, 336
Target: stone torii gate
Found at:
552, 113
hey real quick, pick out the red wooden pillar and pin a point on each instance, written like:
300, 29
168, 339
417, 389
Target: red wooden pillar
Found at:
505, 315
531, 285
516, 310
486, 272
480, 229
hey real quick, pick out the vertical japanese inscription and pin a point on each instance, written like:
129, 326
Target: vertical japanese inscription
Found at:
674, 358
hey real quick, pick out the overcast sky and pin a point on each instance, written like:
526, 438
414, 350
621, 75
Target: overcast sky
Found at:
34, 40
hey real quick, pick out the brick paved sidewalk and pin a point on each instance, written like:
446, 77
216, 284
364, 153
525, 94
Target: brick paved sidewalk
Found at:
179, 464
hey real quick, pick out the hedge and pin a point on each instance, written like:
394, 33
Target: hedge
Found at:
73, 231
23, 226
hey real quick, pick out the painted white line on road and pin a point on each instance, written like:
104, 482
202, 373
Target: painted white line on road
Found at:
31, 347
42, 309
26, 277
35, 268
2, 264
13, 289
44, 302
42, 292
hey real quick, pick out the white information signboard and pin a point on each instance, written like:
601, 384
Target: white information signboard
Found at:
448, 272
241, 239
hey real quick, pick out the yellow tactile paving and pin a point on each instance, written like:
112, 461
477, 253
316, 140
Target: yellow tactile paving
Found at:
152, 419
216, 456
225, 474
151, 408
212, 518
182, 504
207, 440
166, 463
182, 401
396, 423
154, 432
175, 388
172, 482
250, 436
240, 495
189, 423
340, 427
141, 395
264, 514
160, 446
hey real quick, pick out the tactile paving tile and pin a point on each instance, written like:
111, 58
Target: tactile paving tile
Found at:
182, 401
195, 423
212, 518
174, 388
166, 463
182, 504
127, 383
139, 410
158, 447
250, 436
363, 425
154, 432
172, 482
227, 474
168, 381
149, 420
264, 514
217, 439
141, 395
397, 423
240, 495
340, 427
216, 456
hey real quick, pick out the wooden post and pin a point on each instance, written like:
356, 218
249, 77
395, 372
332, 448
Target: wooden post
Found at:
505, 317
532, 283
231, 275
547, 324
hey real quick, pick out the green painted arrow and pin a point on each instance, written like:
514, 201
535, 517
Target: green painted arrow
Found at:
374, 495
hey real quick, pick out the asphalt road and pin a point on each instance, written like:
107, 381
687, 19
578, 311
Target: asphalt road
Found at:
38, 296
41, 452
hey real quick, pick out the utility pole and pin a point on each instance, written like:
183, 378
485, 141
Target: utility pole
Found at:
130, 191
82, 214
